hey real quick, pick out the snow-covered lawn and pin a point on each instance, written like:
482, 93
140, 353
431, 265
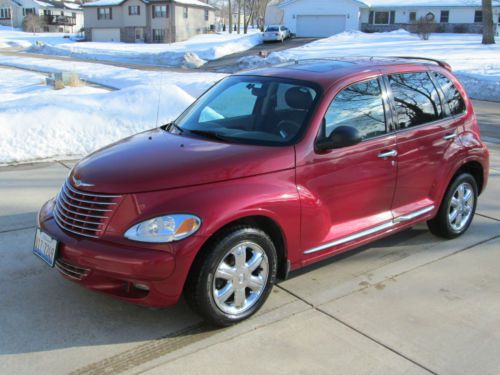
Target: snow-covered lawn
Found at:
191, 53
16, 38
37, 122
477, 65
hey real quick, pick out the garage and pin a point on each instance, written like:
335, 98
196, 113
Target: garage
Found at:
105, 35
320, 25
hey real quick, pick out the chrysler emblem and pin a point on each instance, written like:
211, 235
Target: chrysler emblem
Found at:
80, 183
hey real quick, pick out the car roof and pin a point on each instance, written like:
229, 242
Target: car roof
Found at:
325, 72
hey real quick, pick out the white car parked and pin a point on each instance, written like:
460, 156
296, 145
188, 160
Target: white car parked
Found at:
276, 33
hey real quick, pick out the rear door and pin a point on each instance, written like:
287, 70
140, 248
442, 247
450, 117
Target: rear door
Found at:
425, 134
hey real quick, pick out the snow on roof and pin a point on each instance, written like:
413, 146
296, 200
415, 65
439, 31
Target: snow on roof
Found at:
43, 4
104, 3
72, 6
194, 2
425, 3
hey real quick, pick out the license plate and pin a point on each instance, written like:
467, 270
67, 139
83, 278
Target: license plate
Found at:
45, 247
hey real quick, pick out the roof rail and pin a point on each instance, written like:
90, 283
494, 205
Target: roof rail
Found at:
441, 63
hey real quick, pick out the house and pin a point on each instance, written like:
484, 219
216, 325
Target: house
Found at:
321, 18
150, 21
55, 15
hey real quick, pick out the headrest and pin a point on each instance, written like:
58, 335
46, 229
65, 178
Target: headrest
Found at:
298, 98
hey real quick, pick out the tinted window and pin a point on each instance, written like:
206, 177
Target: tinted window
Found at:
360, 106
451, 94
416, 99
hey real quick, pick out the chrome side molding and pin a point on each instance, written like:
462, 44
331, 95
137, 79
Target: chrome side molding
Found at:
413, 215
373, 230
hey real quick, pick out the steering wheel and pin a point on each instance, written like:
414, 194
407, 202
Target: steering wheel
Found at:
287, 129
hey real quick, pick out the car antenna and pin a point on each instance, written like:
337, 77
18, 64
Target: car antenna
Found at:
159, 99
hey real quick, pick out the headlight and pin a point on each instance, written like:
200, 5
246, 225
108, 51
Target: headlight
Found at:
164, 229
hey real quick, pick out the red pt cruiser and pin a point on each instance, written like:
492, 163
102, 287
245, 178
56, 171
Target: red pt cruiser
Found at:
265, 173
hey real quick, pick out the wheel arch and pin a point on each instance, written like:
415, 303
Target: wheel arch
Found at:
474, 168
263, 222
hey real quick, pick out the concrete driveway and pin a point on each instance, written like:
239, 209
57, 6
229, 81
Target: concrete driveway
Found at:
411, 303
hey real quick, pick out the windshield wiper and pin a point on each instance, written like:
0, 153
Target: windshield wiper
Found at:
213, 135
169, 127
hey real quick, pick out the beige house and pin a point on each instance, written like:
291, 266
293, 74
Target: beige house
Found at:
149, 21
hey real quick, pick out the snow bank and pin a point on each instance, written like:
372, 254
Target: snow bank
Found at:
477, 65
191, 53
76, 121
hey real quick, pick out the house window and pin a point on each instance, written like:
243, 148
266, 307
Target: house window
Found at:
104, 14
62, 13
185, 12
478, 16
134, 10
381, 18
445, 16
73, 15
46, 12
5, 13
160, 11
413, 16
27, 11
158, 35
206, 14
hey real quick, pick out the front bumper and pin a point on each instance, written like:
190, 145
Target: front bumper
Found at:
136, 274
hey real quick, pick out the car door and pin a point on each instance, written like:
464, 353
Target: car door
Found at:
425, 135
346, 193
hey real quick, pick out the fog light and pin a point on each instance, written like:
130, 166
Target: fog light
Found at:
141, 287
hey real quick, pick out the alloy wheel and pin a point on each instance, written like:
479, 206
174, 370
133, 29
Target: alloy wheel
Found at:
461, 206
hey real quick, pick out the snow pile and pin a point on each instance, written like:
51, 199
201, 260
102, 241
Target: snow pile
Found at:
17, 38
37, 122
477, 65
191, 53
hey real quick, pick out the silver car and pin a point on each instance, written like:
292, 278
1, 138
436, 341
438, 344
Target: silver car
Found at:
276, 33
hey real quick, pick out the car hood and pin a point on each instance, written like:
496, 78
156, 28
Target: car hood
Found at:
157, 160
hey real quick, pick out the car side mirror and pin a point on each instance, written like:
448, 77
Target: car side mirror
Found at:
343, 136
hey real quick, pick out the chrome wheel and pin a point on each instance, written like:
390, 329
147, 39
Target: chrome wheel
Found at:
461, 206
240, 278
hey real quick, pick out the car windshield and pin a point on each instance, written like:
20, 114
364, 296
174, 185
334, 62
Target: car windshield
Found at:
272, 28
250, 109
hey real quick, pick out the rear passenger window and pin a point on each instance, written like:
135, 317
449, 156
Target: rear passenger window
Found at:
416, 99
359, 106
451, 94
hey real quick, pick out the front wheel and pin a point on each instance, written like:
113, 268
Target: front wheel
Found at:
457, 208
233, 278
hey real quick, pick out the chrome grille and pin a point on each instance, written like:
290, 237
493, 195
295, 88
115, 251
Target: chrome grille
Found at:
84, 213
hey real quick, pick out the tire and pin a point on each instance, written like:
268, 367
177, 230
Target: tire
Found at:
223, 286
457, 203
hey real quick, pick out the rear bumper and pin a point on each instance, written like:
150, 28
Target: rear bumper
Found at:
117, 270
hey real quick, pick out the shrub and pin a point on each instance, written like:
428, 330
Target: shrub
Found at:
425, 26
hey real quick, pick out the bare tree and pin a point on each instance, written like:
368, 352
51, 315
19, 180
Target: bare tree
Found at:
425, 26
249, 13
32, 22
488, 32
230, 15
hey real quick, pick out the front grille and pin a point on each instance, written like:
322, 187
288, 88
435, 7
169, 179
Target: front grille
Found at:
71, 271
83, 213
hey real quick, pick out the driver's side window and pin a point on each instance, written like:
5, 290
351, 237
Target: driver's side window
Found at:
359, 106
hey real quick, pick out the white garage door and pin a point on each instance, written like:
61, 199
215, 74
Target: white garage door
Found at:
105, 35
320, 26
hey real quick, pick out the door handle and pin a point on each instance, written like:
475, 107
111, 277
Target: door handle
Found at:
449, 137
388, 154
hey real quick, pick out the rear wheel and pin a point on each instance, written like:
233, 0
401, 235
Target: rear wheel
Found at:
234, 277
457, 208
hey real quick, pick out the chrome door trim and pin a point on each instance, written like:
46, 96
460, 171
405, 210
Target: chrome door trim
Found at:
352, 237
413, 215
373, 230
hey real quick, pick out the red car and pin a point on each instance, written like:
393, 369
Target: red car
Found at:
265, 173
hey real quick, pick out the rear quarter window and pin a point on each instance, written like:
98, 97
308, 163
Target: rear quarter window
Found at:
416, 99
452, 96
